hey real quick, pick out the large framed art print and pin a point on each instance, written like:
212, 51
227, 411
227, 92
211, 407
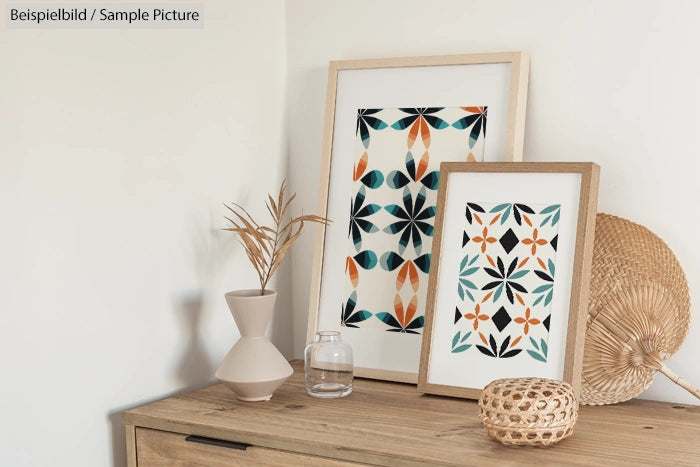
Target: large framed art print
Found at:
508, 290
389, 125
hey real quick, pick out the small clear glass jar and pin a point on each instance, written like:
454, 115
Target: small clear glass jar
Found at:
328, 366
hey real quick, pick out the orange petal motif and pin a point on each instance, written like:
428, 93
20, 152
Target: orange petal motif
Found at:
398, 309
522, 263
491, 261
544, 266
487, 296
520, 299
527, 220
517, 339
401, 276
483, 339
478, 219
424, 132
413, 133
360, 167
534, 321
519, 320
413, 275
410, 310
474, 110
493, 221
351, 270
422, 165
471, 158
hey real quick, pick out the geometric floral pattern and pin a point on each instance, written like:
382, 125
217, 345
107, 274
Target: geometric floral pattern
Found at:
392, 209
506, 280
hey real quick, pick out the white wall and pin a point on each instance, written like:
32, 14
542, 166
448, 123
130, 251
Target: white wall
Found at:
610, 82
117, 149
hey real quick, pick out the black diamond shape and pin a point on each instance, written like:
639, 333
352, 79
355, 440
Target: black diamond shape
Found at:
546, 322
465, 238
501, 319
458, 315
509, 240
553, 242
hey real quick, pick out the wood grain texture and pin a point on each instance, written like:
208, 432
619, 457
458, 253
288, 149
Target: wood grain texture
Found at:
515, 131
164, 448
130, 445
323, 187
517, 106
390, 423
580, 282
583, 256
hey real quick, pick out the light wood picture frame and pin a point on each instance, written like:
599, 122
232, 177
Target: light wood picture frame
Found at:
508, 288
432, 109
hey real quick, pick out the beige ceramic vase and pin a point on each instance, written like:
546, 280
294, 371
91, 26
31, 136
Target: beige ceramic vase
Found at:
253, 369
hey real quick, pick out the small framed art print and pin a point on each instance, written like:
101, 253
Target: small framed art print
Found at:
508, 288
389, 125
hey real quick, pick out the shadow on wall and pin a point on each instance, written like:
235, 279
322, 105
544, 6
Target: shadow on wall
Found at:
194, 370
195, 365
118, 431
283, 319
211, 250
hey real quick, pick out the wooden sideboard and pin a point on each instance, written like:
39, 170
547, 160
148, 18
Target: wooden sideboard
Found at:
390, 424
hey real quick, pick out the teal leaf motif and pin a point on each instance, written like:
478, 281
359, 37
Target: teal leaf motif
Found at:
518, 274
366, 259
540, 352
542, 288
505, 215
373, 179
388, 319
397, 179
499, 208
350, 317
549, 209
390, 261
548, 299
554, 212
537, 356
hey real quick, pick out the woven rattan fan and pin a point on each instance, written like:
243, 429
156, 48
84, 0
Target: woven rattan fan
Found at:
638, 313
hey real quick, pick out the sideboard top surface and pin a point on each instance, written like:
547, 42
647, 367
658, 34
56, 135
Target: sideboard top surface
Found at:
390, 423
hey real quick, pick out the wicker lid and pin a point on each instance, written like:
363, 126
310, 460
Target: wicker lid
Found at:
528, 411
638, 313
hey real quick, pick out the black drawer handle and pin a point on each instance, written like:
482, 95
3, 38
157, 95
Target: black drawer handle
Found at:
217, 442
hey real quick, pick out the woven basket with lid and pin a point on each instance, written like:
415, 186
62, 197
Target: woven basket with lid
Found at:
528, 411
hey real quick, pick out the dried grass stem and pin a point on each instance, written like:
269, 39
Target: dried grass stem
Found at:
266, 246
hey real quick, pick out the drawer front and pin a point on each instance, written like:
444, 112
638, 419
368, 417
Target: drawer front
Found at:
163, 448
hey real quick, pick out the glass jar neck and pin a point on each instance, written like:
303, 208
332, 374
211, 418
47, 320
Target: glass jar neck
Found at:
328, 336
